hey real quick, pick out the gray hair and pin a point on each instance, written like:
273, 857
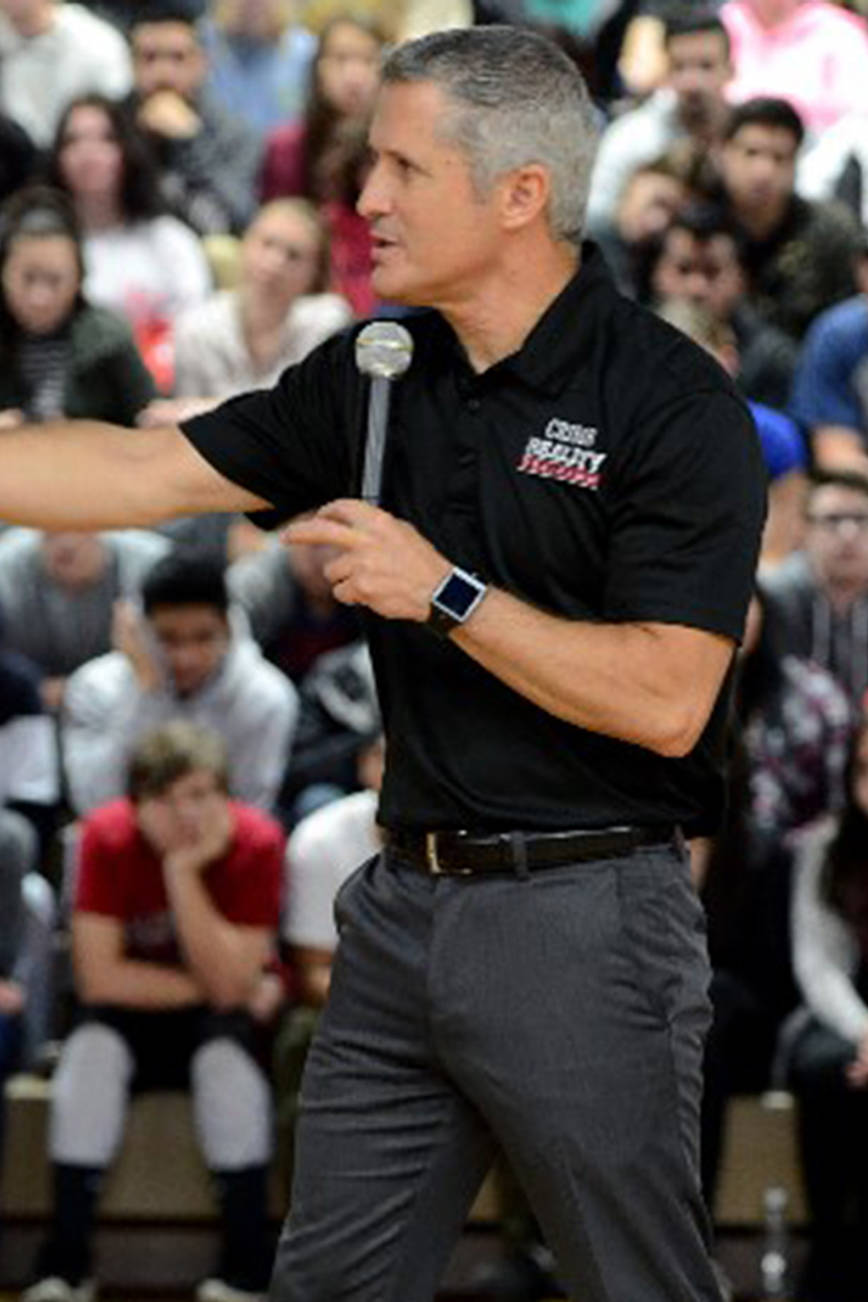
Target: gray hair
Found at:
517, 99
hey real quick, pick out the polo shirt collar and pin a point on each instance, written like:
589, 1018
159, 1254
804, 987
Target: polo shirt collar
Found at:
561, 338
565, 333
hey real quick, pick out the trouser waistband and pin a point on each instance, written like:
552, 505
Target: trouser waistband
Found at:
466, 854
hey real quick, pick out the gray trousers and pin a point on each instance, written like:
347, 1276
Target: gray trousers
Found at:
561, 1014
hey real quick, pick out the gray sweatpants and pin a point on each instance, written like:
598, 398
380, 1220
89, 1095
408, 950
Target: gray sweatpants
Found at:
562, 1013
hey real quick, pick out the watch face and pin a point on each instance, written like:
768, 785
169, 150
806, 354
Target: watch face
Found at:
457, 595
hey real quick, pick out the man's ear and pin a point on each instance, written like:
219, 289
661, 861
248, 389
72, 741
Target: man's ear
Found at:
524, 195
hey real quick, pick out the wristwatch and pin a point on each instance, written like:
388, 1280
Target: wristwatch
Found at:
454, 600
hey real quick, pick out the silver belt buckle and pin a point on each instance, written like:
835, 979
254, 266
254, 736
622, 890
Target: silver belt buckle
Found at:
431, 854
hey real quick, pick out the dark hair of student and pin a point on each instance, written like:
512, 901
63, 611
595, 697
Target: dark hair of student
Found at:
171, 752
139, 183
853, 480
165, 11
693, 20
36, 212
765, 111
320, 117
185, 578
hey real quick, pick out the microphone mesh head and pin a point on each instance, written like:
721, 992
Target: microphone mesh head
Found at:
384, 349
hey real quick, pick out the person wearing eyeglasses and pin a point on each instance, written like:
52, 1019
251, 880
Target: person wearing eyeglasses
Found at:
817, 599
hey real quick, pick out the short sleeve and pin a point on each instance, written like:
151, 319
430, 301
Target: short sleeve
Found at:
250, 892
781, 441
822, 390
98, 882
687, 515
292, 444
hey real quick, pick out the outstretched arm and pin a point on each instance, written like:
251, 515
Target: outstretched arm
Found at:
90, 475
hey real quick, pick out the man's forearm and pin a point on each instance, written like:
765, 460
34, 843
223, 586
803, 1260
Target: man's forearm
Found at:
650, 684
90, 475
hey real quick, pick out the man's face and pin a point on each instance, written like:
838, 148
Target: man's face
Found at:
193, 641
181, 815
699, 68
74, 560
434, 238
167, 56
836, 538
759, 165
704, 271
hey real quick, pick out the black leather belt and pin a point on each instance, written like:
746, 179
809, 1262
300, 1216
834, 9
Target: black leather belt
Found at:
464, 854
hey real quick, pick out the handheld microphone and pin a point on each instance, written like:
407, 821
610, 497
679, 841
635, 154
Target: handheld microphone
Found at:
384, 351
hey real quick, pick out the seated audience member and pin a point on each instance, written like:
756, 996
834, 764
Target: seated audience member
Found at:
789, 743
829, 395
699, 259
51, 51
339, 709
174, 921
58, 592
186, 656
809, 52
26, 984
798, 255
59, 356
323, 851
29, 798
344, 170
817, 599
139, 260
324, 156
243, 338
325, 848
289, 602
208, 161
344, 80
29, 789
784, 451
828, 1061
651, 198
835, 165
690, 106
258, 61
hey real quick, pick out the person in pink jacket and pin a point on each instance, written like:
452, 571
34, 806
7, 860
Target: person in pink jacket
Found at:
810, 52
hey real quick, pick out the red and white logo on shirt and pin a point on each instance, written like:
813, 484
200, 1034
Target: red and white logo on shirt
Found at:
564, 452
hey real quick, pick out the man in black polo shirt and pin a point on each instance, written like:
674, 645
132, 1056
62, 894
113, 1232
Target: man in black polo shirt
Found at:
553, 589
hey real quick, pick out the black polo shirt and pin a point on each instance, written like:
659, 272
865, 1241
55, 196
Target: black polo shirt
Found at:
607, 471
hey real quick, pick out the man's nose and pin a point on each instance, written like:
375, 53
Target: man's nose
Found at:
373, 201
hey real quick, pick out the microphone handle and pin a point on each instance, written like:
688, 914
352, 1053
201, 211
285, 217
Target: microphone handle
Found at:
375, 441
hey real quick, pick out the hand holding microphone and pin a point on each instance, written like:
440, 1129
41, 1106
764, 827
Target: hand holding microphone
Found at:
382, 562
